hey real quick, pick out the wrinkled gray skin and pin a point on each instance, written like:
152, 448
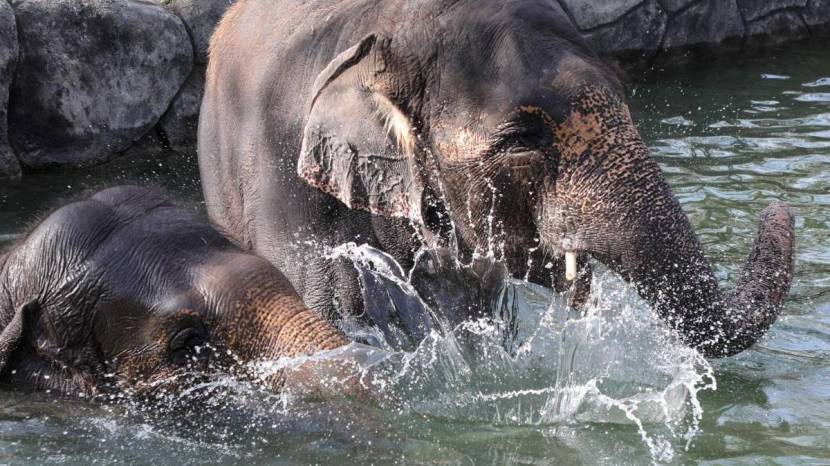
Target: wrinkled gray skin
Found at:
128, 284
486, 126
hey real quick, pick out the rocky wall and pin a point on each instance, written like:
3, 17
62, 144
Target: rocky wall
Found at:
81, 81
667, 30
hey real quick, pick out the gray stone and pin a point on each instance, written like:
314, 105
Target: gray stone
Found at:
754, 9
639, 32
9, 167
200, 17
817, 16
180, 122
673, 6
708, 22
589, 14
776, 29
93, 77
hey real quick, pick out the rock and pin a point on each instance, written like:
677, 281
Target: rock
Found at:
817, 17
589, 14
93, 77
200, 17
776, 29
9, 167
754, 9
180, 122
152, 141
707, 22
637, 33
673, 6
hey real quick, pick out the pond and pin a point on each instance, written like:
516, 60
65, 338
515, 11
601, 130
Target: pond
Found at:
611, 387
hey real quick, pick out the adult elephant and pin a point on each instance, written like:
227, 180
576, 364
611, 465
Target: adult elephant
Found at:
125, 290
488, 126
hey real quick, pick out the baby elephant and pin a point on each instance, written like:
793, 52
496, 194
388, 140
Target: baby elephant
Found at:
126, 290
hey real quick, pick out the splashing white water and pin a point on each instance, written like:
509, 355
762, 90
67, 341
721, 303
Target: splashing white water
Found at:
538, 362
534, 363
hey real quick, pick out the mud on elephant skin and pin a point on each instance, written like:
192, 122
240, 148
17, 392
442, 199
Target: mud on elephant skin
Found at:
126, 291
489, 127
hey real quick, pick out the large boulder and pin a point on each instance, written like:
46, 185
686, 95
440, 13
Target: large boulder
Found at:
9, 167
588, 14
776, 28
200, 17
93, 77
817, 17
706, 22
636, 32
179, 125
678, 29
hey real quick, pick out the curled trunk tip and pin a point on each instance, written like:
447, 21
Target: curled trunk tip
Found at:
754, 304
771, 262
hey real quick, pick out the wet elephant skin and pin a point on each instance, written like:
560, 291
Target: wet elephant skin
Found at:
125, 290
487, 127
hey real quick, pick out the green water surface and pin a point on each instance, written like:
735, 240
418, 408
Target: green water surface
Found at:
732, 135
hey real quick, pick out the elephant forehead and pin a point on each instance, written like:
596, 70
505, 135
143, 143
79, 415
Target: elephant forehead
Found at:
537, 111
236, 275
573, 73
596, 121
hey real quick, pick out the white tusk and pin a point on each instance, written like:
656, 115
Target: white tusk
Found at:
570, 266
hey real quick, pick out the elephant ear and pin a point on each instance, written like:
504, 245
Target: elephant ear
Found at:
357, 144
12, 335
37, 371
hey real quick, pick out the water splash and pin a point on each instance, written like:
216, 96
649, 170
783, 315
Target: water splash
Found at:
536, 362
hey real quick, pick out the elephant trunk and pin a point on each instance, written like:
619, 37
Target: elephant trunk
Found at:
261, 318
608, 198
265, 318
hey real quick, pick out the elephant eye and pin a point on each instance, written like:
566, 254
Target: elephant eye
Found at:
519, 137
184, 343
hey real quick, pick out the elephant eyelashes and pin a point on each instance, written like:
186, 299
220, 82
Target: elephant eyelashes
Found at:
521, 136
183, 345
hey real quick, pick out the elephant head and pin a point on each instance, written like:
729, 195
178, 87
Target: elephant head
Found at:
498, 131
125, 290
